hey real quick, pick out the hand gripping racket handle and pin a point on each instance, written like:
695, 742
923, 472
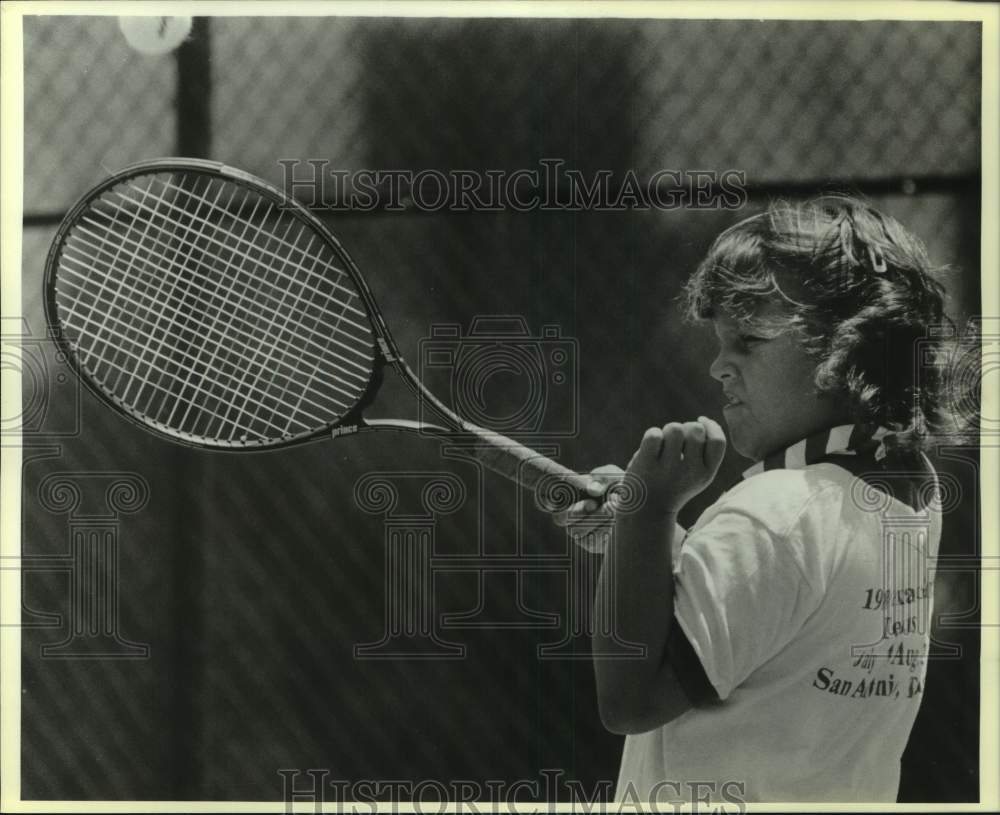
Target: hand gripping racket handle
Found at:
556, 487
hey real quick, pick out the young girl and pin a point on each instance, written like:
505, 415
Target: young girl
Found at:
786, 633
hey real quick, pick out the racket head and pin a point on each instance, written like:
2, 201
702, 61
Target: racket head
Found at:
213, 309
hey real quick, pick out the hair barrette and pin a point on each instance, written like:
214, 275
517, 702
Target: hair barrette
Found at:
878, 260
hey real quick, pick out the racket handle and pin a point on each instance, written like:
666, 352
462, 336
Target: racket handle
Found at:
556, 487
520, 463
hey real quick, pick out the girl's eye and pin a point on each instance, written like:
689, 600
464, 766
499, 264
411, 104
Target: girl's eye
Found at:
750, 339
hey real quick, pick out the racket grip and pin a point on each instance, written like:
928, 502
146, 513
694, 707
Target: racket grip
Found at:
520, 463
555, 487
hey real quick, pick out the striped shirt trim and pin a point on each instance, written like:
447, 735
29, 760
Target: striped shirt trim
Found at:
844, 440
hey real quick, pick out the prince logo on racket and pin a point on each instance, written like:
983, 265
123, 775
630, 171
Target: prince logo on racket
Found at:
750, 617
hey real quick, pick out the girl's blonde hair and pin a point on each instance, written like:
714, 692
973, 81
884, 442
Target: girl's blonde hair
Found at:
861, 291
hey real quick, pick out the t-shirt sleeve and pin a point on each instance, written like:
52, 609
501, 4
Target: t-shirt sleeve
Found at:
740, 595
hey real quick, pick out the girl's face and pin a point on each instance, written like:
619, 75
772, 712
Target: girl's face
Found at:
768, 390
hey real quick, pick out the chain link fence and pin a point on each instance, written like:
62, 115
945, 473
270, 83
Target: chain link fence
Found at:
250, 581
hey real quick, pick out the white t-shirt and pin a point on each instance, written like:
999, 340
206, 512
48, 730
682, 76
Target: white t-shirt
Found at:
806, 596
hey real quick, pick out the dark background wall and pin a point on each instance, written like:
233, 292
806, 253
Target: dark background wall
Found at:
244, 583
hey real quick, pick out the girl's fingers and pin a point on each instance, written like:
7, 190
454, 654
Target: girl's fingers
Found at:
586, 510
715, 443
571, 515
607, 473
673, 441
651, 444
693, 439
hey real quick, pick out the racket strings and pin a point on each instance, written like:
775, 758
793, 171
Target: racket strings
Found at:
237, 320
157, 362
203, 307
202, 303
281, 260
117, 284
114, 356
232, 380
318, 279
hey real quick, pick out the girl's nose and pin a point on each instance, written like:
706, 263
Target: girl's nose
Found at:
720, 369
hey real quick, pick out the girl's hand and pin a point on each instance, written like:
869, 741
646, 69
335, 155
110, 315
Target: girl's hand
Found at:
678, 461
588, 521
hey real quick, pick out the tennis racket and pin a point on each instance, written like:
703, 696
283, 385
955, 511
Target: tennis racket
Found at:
215, 310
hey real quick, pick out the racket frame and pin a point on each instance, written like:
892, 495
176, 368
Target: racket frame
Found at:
555, 485
384, 350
